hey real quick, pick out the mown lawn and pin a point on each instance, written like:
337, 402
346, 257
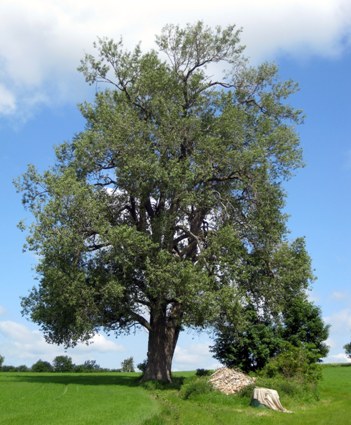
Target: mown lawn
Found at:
74, 399
111, 399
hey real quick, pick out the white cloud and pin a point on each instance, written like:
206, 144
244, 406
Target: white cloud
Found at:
313, 297
15, 331
100, 344
193, 357
42, 41
340, 334
339, 296
2, 310
297, 26
7, 101
24, 345
330, 343
340, 321
338, 358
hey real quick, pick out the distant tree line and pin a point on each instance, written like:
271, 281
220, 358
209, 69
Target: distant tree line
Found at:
65, 364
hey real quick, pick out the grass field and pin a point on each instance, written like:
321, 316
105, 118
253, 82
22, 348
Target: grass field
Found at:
117, 399
73, 399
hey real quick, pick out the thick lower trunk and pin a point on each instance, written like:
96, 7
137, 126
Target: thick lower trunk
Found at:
163, 338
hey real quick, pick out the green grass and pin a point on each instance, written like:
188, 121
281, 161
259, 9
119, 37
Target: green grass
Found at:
74, 399
111, 399
332, 408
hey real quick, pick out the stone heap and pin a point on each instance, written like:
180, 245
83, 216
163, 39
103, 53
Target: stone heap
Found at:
230, 381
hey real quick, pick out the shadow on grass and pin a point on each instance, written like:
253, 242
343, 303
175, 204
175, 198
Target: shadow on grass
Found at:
94, 379
78, 379
177, 382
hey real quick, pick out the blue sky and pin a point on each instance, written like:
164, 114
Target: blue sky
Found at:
40, 49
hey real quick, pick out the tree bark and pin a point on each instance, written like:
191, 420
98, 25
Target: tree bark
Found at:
163, 337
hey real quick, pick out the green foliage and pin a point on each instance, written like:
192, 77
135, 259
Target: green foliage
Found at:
347, 348
142, 366
22, 368
246, 392
42, 366
2, 359
127, 365
294, 363
8, 368
203, 372
291, 389
249, 345
303, 324
63, 364
87, 366
266, 327
170, 201
195, 387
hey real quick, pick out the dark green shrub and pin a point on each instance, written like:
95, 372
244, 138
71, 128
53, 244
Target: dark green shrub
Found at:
22, 368
87, 367
63, 364
142, 366
9, 368
247, 391
194, 388
42, 366
291, 388
294, 373
296, 363
258, 338
203, 372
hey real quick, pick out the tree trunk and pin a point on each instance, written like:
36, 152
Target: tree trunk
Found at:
163, 338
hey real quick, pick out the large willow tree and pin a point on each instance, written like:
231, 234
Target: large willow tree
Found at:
168, 206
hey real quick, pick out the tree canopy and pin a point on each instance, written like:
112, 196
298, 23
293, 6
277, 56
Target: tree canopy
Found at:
42, 366
63, 364
127, 365
168, 206
261, 336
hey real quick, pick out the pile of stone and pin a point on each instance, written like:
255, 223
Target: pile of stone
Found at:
230, 381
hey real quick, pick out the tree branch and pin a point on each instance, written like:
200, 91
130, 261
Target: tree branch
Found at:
141, 320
